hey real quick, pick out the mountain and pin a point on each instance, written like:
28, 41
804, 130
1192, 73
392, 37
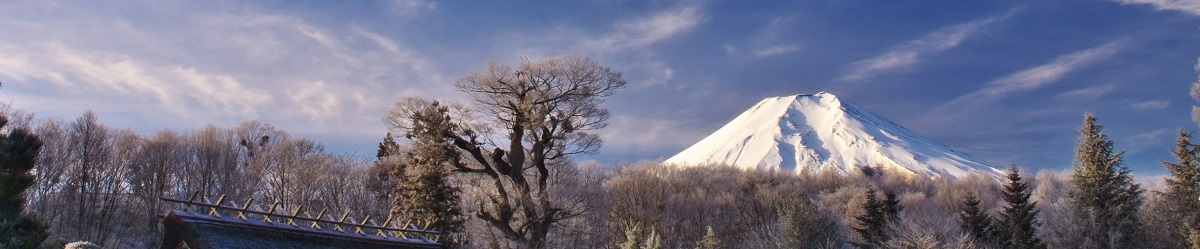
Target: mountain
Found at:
820, 132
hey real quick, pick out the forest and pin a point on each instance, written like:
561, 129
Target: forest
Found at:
497, 172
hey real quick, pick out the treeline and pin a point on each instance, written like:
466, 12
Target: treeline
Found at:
499, 174
102, 184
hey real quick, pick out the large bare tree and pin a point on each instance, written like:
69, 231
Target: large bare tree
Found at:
531, 118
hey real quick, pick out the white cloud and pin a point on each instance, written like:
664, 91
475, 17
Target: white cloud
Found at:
776, 50
411, 8
909, 54
211, 65
1151, 105
111, 75
765, 44
1191, 7
1090, 93
1149, 139
628, 133
1037, 77
648, 30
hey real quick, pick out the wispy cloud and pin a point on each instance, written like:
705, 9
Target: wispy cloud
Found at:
775, 50
628, 133
648, 30
1191, 7
123, 76
1151, 105
765, 42
411, 8
211, 65
1037, 77
1149, 139
1090, 93
911, 53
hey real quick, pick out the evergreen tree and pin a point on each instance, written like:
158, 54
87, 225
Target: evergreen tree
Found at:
1104, 195
653, 241
709, 241
872, 224
424, 193
387, 148
805, 226
387, 163
633, 237
18, 151
1183, 189
1018, 221
891, 206
975, 222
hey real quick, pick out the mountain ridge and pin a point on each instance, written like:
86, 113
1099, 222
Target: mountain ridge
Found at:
807, 133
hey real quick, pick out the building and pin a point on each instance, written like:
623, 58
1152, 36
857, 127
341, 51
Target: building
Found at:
249, 228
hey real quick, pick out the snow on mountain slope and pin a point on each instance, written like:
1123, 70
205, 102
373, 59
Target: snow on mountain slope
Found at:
819, 132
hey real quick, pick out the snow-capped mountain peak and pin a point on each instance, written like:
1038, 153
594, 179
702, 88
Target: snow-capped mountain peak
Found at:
820, 132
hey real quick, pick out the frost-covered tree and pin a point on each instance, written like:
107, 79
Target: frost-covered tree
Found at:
424, 193
1017, 222
1182, 195
804, 225
387, 162
532, 119
653, 241
1196, 93
633, 237
709, 241
1105, 195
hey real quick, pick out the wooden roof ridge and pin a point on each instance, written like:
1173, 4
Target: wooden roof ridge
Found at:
199, 208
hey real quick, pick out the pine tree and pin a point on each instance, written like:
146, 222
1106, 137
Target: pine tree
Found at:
425, 194
805, 226
1018, 221
633, 237
891, 206
709, 241
653, 241
387, 165
975, 222
387, 148
18, 151
872, 224
1105, 195
1183, 189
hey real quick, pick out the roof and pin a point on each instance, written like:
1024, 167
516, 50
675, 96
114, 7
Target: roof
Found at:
204, 231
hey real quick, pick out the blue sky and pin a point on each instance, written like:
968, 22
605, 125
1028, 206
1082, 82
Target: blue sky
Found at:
1007, 81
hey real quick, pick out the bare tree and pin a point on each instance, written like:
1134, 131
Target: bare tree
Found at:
542, 112
88, 150
150, 177
51, 171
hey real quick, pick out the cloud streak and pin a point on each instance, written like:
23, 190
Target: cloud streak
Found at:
1090, 93
1151, 105
1190, 7
1039, 76
648, 30
911, 53
122, 76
